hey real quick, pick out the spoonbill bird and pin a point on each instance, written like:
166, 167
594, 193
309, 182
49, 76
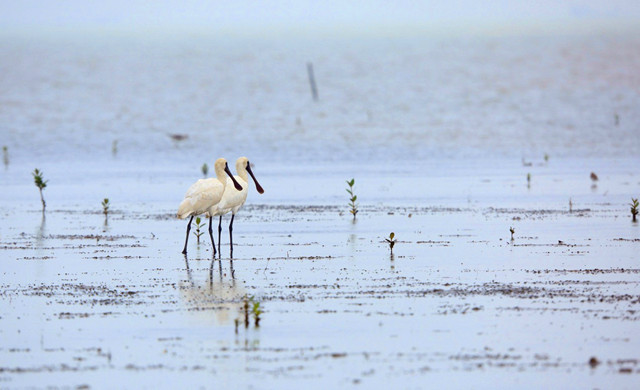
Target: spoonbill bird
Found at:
203, 194
233, 199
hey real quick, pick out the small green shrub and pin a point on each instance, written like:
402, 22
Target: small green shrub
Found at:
41, 184
198, 225
352, 198
391, 241
105, 206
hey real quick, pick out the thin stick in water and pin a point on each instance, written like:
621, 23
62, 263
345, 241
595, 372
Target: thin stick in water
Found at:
312, 81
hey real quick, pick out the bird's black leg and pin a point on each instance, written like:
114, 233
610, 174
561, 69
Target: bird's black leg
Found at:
219, 239
186, 240
213, 243
231, 235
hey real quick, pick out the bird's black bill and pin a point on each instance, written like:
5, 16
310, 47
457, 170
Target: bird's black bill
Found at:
258, 186
235, 183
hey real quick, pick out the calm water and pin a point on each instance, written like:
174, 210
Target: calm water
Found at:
380, 100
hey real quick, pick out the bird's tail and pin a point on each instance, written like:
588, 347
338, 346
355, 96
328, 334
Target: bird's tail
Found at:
184, 210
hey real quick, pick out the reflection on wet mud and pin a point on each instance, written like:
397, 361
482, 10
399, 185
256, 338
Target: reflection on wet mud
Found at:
41, 231
105, 226
219, 294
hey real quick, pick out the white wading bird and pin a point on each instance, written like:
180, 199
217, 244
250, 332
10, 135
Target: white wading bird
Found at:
232, 199
203, 194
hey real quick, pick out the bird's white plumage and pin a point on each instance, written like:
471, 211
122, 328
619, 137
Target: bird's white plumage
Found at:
204, 193
232, 200
200, 196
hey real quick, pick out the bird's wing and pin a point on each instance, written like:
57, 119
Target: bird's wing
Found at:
199, 187
200, 196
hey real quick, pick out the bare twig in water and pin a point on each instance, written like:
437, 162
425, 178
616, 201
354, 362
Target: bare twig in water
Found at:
312, 81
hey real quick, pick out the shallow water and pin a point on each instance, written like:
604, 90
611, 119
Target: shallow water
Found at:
440, 151
385, 99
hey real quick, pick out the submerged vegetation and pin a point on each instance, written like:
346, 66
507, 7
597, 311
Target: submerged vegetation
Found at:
205, 169
41, 184
352, 198
5, 155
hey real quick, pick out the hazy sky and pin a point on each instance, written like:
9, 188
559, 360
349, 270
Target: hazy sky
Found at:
305, 16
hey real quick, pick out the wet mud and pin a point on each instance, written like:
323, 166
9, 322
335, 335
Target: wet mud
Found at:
338, 307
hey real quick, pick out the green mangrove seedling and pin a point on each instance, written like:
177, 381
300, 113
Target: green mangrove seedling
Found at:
5, 155
105, 206
512, 230
205, 169
250, 306
528, 179
570, 205
634, 209
114, 147
198, 224
352, 199
546, 158
391, 241
256, 311
41, 184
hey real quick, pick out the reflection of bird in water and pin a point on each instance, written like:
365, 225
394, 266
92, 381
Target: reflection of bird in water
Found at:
218, 298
